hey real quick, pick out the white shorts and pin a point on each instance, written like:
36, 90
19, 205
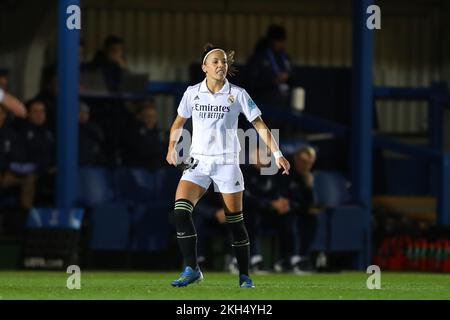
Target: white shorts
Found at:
227, 178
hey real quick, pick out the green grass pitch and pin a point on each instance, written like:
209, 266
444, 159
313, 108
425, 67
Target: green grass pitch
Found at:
222, 286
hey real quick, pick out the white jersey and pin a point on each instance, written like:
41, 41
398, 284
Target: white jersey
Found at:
215, 119
2, 94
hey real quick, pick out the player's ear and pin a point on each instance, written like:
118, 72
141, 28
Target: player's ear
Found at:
204, 68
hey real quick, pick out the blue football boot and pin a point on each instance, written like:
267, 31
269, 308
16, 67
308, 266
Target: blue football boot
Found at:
245, 281
187, 277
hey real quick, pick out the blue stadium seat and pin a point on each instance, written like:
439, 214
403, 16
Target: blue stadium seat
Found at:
330, 188
150, 227
137, 185
110, 224
340, 227
94, 186
170, 176
289, 147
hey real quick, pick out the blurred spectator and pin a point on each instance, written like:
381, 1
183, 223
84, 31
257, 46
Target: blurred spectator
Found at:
269, 69
91, 139
142, 146
296, 214
8, 179
4, 79
37, 143
111, 61
34, 152
6, 138
48, 94
82, 54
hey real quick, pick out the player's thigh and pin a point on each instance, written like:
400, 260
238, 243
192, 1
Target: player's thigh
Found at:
232, 202
189, 191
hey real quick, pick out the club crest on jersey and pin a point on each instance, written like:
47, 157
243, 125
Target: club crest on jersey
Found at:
251, 103
231, 99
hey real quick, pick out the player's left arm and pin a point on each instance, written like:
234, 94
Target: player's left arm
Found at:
269, 140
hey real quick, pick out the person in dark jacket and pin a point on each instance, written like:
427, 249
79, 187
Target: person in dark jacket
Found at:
91, 139
142, 145
33, 151
36, 145
8, 179
111, 62
269, 70
48, 95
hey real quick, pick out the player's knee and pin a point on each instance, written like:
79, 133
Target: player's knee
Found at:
183, 207
234, 217
235, 222
182, 216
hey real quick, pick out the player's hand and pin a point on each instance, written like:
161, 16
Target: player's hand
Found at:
14, 105
172, 157
283, 163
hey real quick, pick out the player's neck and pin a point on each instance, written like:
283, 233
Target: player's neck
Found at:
214, 85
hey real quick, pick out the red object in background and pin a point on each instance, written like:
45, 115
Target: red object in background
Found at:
415, 255
446, 257
406, 253
409, 251
423, 255
396, 262
431, 256
383, 254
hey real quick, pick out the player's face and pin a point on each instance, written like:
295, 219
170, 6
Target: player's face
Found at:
216, 66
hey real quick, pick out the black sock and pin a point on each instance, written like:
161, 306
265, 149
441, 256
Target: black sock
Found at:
241, 244
186, 235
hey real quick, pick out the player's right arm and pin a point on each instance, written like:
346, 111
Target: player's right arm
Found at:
175, 133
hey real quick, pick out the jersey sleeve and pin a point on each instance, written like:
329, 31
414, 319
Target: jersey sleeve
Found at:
2, 94
249, 107
184, 109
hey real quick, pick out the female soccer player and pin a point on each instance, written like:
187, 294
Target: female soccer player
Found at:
214, 105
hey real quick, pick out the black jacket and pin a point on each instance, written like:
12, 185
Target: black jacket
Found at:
142, 147
262, 69
260, 190
7, 139
112, 72
36, 145
294, 188
91, 141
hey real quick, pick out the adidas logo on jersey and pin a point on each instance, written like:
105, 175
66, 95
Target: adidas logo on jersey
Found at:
237, 183
196, 98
